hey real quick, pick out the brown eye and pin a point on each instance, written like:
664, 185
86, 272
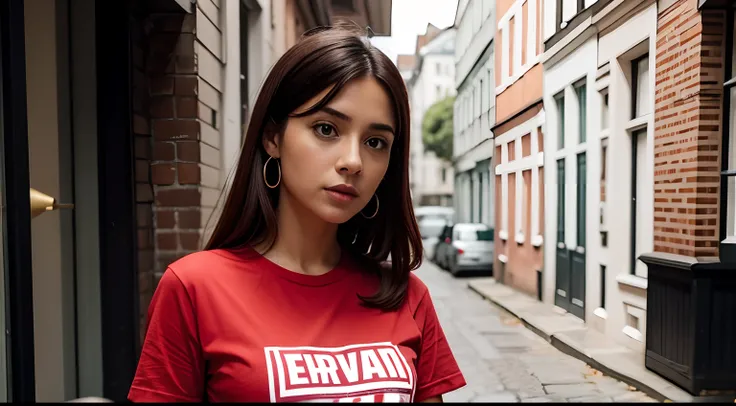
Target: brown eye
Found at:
376, 143
325, 130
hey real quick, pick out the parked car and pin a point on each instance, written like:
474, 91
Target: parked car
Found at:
465, 247
430, 228
425, 212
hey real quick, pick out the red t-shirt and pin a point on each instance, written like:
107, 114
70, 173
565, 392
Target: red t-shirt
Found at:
232, 326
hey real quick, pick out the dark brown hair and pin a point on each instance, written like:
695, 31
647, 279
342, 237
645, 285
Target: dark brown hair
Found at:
324, 57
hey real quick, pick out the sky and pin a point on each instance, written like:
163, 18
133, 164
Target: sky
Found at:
409, 18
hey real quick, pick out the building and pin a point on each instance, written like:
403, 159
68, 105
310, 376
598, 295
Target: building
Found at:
691, 285
132, 114
431, 80
406, 64
519, 144
475, 111
600, 102
639, 98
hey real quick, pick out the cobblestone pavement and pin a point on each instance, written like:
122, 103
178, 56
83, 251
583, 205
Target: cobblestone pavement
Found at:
503, 361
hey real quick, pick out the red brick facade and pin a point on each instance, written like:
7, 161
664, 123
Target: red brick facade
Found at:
167, 147
688, 120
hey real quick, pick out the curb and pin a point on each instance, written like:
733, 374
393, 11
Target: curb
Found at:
573, 352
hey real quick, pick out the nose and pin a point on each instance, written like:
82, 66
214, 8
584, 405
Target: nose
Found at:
350, 162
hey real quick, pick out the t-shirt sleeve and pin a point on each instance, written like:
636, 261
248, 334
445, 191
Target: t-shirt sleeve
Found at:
171, 366
437, 370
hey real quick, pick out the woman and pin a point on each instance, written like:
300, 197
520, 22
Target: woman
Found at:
293, 299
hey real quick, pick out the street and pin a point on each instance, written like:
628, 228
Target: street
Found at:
503, 361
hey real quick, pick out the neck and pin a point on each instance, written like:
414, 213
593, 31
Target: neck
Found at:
304, 243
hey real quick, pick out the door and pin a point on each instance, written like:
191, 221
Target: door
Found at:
577, 271
570, 267
49, 296
16, 346
562, 283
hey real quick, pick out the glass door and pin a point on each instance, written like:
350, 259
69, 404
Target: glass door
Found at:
17, 369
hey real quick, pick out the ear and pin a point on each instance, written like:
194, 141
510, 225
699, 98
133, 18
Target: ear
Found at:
272, 141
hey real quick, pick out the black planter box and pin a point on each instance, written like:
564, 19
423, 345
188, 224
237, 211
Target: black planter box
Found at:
691, 322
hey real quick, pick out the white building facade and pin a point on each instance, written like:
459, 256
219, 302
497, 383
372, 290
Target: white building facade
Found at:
432, 80
599, 144
474, 111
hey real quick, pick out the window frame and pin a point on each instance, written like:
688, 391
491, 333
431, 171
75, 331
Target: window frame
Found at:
581, 196
634, 218
727, 248
581, 94
560, 108
561, 189
635, 85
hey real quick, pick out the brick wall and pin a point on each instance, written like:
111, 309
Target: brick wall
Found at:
167, 152
689, 87
175, 130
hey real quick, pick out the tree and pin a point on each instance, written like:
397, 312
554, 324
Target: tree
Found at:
437, 128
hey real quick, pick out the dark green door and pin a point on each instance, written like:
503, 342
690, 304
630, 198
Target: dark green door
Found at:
562, 285
577, 271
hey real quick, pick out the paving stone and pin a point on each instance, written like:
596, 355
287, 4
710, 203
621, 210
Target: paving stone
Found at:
500, 397
590, 399
558, 377
573, 390
503, 361
537, 400
629, 397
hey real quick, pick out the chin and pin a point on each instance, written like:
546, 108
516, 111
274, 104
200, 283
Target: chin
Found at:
335, 215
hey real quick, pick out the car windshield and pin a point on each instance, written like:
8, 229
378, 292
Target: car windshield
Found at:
476, 235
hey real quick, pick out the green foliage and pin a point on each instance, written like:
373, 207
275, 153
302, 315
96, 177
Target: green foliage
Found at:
437, 128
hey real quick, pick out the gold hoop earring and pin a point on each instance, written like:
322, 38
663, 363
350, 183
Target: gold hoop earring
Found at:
265, 180
378, 204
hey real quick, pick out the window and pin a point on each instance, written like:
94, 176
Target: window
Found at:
603, 286
439, 68
561, 201
638, 159
604, 160
582, 112
581, 192
641, 104
475, 235
444, 175
605, 114
727, 250
560, 100
438, 91
480, 197
565, 10
482, 99
522, 197
472, 197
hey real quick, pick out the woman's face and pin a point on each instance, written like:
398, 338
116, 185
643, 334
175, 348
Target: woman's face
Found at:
333, 160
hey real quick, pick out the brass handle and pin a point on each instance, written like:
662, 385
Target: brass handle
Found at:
41, 203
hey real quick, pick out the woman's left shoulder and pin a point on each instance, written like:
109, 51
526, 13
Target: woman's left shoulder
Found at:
416, 291
416, 285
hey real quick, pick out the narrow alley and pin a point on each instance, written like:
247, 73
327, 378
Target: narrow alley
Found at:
503, 361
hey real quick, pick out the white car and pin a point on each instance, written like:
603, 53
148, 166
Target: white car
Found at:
430, 228
466, 247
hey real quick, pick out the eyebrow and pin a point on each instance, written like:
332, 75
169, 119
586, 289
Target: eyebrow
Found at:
343, 116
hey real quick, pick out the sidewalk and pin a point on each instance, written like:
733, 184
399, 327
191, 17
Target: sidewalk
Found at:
571, 335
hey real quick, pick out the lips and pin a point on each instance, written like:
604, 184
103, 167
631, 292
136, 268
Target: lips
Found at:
344, 189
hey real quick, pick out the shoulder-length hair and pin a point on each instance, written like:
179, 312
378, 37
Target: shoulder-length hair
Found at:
324, 57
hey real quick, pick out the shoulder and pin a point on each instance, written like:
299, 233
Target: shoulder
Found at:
200, 267
416, 292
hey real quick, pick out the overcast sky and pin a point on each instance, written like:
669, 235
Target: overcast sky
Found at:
409, 18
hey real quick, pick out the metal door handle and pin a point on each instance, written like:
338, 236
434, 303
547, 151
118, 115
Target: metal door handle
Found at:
41, 203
